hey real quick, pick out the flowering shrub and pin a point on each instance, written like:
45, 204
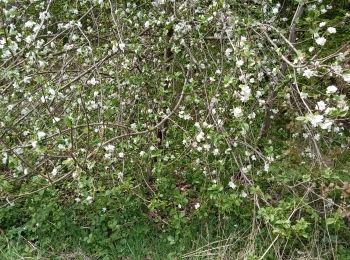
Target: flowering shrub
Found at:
169, 114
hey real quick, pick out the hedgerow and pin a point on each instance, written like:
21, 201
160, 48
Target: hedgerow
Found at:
177, 123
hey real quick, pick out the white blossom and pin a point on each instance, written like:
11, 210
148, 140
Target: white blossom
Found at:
321, 41
216, 151
44, 15
34, 144
109, 148
54, 172
237, 112
200, 137
308, 73
331, 30
228, 52
29, 24
92, 81
120, 176
244, 194
41, 134
315, 119
232, 185
326, 124
321, 105
331, 89
245, 93
322, 24
122, 46
346, 77
266, 167
89, 199
239, 63
206, 147
275, 10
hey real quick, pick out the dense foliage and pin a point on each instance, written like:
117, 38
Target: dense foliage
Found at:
148, 129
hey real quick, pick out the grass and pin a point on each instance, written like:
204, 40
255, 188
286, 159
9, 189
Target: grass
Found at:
251, 242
